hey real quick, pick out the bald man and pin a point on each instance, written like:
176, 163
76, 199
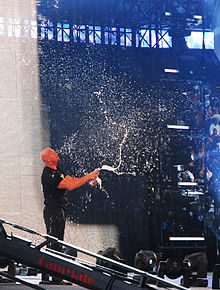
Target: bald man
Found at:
55, 182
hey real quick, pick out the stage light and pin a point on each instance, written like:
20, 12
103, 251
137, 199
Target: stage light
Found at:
191, 72
178, 127
172, 268
179, 167
197, 264
187, 183
198, 17
145, 260
188, 239
193, 267
168, 13
171, 70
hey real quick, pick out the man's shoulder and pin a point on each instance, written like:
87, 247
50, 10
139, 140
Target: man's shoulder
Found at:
48, 169
53, 173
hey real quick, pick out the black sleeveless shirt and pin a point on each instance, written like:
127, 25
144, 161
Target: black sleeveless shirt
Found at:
53, 196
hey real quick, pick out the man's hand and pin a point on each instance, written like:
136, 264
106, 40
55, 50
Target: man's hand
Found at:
71, 183
93, 175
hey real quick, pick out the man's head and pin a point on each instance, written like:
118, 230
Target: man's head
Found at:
49, 157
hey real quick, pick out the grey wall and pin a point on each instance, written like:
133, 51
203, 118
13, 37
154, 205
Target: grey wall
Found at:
22, 132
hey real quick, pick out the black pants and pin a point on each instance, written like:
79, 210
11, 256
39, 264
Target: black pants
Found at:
55, 219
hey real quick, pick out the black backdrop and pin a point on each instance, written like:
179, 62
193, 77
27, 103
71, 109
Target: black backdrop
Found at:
94, 97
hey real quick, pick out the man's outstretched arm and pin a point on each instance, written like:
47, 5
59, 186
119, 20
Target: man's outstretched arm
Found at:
71, 183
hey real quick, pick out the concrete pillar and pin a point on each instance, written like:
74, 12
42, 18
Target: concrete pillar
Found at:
23, 133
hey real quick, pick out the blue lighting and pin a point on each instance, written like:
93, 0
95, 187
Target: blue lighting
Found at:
196, 38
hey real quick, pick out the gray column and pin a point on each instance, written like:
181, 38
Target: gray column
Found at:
23, 130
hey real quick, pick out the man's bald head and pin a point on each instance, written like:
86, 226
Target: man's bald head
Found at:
45, 154
50, 157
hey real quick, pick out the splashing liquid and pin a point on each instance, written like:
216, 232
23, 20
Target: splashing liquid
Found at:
110, 168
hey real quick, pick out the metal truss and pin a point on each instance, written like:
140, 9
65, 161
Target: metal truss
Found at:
144, 37
130, 13
67, 267
142, 23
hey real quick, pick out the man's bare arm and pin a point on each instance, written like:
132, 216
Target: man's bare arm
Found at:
71, 183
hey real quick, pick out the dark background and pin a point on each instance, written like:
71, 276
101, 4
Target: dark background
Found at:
87, 130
